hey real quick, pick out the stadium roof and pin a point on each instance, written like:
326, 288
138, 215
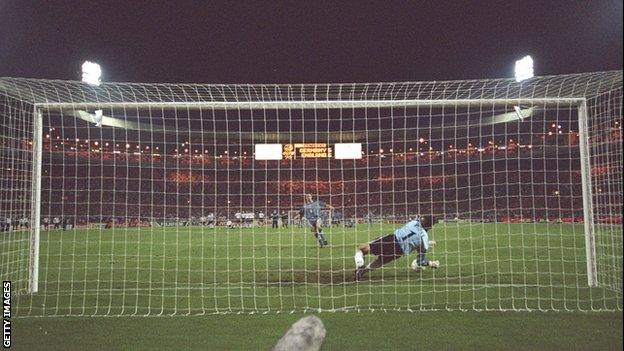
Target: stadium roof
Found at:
59, 94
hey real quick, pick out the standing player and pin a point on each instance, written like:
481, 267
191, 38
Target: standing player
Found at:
285, 219
412, 237
57, 222
274, 220
312, 210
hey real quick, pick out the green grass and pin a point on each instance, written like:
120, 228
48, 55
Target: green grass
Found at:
155, 271
200, 272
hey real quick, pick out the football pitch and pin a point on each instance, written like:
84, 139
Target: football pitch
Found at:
262, 279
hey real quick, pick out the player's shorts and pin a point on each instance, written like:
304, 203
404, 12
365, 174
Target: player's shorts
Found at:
313, 222
386, 248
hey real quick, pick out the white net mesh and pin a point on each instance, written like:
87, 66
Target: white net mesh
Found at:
159, 206
605, 133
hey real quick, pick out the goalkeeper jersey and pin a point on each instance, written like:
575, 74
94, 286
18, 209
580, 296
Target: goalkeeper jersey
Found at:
412, 237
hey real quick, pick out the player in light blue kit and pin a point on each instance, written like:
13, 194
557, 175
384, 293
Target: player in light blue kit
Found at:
311, 210
412, 237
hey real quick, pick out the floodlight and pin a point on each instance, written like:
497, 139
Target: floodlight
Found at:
91, 73
524, 68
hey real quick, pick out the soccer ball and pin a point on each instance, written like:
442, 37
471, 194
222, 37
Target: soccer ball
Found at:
416, 267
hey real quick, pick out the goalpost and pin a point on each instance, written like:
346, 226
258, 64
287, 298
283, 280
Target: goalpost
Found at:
525, 178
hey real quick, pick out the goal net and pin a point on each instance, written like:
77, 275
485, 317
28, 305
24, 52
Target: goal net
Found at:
160, 199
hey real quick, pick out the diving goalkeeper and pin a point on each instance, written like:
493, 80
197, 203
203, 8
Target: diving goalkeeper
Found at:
412, 237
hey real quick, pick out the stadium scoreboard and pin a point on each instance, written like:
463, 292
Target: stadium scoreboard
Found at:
309, 150
292, 151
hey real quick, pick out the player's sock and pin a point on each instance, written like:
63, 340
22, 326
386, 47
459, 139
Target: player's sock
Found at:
359, 273
359, 259
322, 239
375, 264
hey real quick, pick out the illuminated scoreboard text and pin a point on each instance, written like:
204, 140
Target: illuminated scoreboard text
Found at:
307, 150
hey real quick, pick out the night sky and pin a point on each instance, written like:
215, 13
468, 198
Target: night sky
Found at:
278, 42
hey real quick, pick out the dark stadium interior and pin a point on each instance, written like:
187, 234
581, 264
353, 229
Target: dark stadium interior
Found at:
444, 161
509, 172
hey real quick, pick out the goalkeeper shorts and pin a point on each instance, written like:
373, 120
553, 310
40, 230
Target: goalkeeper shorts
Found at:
386, 248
